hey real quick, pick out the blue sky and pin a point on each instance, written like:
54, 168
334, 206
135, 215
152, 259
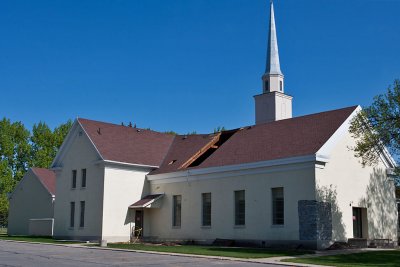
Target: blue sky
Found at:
189, 65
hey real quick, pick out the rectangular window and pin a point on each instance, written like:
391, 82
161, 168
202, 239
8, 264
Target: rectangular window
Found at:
240, 208
177, 207
82, 218
277, 206
73, 178
83, 184
206, 209
72, 215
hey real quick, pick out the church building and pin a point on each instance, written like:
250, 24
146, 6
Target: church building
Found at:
283, 181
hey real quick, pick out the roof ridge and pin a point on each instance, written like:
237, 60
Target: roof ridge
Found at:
122, 126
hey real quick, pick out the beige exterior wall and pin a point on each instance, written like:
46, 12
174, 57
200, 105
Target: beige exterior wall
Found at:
41, 227
347, 184
297, 180
122, 187
80, 154
30, 200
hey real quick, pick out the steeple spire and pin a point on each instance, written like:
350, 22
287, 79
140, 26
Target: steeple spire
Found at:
273, 104
273, 66
273, 76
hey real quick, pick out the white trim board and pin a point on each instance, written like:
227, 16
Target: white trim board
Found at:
294, 163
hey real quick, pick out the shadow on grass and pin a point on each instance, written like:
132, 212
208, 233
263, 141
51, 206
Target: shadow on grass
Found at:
369, 259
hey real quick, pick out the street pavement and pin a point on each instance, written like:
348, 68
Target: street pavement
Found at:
43, 255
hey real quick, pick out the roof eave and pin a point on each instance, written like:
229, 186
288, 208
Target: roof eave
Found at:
236, 167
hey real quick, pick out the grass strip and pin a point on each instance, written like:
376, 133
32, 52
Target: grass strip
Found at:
365, 259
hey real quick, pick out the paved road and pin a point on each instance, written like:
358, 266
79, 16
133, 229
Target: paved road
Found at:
24, 254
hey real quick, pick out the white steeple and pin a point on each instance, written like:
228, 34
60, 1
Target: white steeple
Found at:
272, 66
273, 104
273, 77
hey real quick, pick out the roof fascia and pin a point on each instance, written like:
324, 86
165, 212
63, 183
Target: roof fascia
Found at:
40, 181
55, 165
91, 141
326, 149
340, 132
30, 171
19, 184
125, 164
148, 203
64, 146
239, 169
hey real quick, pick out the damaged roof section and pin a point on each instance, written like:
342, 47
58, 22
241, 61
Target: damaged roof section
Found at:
299, 136
206, 151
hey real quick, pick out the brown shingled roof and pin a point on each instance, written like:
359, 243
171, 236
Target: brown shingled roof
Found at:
298, 136
47, 178
127, 144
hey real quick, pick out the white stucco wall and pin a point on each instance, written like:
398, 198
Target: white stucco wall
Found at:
298, 182
122, 187
272, 107
80, 154
30, 200
41, 227
351, 185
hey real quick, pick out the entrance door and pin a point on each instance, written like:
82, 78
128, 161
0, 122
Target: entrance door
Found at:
138, 223
357, 223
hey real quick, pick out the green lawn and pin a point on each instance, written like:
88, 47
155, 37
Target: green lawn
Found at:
365, 259
213, 251
34, 239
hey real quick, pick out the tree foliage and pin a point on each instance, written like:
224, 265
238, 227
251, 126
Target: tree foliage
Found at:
20, 149
377, 127
45, 143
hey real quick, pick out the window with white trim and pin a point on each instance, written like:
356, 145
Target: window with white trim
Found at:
240, 208
278, 206
177, 209
206, 209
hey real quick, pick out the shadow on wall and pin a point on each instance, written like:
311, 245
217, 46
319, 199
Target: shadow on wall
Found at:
381, 206
130, 216
329, 194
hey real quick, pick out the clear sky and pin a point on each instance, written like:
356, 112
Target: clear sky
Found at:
189, 65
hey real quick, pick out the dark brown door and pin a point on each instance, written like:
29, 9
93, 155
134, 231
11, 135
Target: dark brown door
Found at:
138, 223
357, 223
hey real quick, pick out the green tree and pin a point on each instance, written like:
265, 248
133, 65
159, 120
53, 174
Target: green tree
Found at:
20, 150
378, 126
14, 160
45, 143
